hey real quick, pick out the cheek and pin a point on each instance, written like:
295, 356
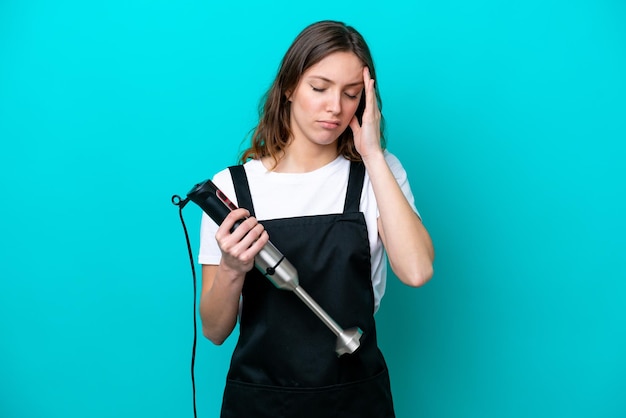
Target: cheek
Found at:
351, 106
309, 103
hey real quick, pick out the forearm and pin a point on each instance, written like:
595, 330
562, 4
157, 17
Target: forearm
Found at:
222, 284
406, 240
219, 302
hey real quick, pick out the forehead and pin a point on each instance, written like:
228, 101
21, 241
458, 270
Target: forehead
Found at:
338, 67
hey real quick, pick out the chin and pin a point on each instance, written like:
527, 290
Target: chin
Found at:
327, 143
328, 139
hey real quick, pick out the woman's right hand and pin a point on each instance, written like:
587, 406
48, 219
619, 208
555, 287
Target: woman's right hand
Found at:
222, 284
240, 246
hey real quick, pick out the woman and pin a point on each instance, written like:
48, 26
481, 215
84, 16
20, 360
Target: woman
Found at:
318, 181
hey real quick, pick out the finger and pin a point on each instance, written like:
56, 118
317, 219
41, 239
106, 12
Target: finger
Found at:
231, 219
238, 214
244, 254
253, 234
366, 75
251, 244
245, 228
240, 246
371, 105
259, 243
370, 93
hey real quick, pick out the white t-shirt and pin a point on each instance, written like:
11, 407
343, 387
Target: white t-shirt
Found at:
319, 192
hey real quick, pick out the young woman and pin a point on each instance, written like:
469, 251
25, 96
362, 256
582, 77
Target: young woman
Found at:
318, 181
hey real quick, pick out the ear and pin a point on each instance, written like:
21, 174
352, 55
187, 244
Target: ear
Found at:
288, 95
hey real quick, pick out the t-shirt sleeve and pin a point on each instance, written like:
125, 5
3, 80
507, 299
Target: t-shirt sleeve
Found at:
210, 252
401, 177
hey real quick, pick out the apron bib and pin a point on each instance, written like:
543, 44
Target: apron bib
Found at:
284, 364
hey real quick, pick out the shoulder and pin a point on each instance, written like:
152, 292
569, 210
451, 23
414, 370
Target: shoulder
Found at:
400, 174
395, 165
224, 181
224, 177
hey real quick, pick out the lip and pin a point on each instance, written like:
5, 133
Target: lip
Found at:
329, 124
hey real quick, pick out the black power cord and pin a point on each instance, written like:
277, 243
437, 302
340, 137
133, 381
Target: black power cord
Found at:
180, 202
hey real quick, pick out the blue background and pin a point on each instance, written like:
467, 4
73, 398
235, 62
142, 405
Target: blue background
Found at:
510, 118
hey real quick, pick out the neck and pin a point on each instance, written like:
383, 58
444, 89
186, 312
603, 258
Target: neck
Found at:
303, 159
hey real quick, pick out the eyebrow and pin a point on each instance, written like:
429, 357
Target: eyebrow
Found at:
358, 83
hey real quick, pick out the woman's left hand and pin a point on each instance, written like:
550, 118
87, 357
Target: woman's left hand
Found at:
367, 134
406, 241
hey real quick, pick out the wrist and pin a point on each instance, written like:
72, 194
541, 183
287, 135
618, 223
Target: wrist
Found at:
373, 158
230, 274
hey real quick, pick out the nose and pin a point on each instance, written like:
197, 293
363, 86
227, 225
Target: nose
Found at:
333, 105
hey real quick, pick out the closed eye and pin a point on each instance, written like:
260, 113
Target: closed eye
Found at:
323, 89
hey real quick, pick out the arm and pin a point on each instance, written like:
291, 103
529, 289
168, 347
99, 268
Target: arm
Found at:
406, 240
222, 284
407, 243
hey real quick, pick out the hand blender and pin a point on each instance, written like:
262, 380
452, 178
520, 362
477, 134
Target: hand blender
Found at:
273, 264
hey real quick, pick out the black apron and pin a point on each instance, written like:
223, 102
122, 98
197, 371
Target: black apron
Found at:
284, 364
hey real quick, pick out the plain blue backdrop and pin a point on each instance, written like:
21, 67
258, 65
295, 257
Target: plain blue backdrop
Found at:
510, 118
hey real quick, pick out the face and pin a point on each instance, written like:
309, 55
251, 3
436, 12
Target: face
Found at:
326, 98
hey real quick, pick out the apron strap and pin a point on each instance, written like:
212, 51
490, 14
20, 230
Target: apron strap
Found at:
242, 188
355, 187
